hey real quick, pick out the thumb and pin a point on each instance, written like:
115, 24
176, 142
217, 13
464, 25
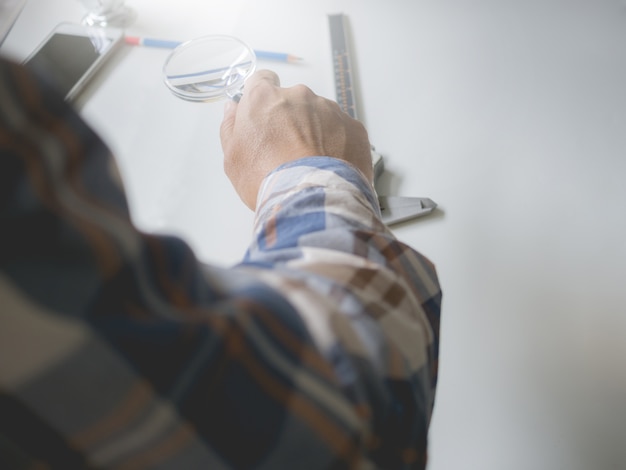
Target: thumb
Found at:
228, 121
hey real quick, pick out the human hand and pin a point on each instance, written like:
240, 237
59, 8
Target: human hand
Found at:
272, 125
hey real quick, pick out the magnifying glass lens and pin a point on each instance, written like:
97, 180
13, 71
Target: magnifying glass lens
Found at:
209, 68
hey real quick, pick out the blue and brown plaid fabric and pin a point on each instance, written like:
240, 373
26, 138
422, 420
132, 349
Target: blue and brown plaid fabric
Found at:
119, 350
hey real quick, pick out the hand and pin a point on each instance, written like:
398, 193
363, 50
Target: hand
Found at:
272, 125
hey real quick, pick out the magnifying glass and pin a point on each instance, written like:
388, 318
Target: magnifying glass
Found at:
209, 68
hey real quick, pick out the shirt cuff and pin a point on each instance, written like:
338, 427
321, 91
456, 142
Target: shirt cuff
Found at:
319, 184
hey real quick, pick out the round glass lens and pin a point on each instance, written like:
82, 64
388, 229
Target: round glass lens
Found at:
209, 68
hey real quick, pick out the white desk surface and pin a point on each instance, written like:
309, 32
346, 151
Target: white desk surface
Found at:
510, 114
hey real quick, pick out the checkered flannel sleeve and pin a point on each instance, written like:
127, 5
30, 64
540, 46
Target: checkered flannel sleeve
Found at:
370, 302
119, 350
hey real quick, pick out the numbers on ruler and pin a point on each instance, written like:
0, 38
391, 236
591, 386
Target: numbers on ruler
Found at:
343, 83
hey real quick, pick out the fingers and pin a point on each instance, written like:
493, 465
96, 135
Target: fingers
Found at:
262, 88
228, 122
262, 76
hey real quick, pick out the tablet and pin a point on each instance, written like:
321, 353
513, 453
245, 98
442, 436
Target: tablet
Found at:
70, 55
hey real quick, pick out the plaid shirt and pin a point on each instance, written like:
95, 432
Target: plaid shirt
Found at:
118, 349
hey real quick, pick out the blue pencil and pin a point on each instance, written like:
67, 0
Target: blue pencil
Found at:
165, 44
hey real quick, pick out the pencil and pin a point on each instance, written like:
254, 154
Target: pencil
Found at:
166, 44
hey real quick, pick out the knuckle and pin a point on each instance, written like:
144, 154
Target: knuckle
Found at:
303, 91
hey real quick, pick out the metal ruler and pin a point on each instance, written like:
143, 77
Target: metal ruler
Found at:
342, 63
394, 209
344, 84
